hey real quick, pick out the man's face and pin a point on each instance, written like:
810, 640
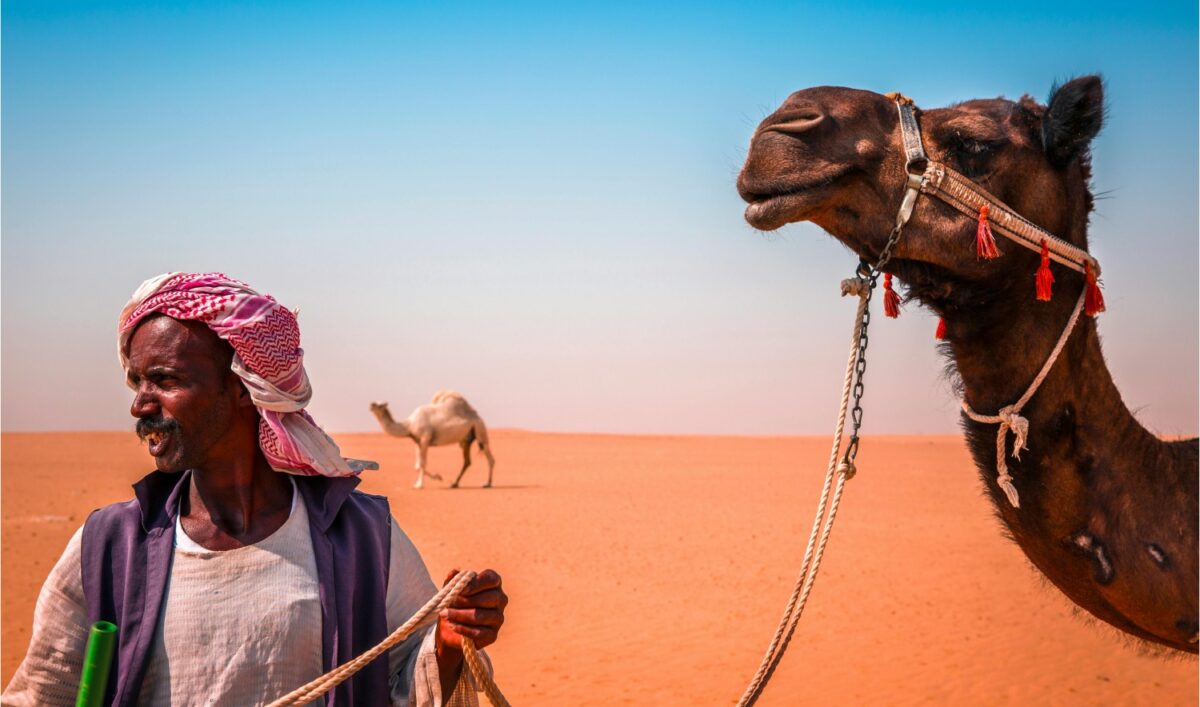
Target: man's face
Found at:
185, 396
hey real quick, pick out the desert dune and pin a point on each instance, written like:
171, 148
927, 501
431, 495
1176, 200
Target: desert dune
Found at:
653, 570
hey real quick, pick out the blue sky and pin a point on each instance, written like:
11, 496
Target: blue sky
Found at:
534, 203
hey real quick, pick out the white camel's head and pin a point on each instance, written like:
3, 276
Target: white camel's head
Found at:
379, 406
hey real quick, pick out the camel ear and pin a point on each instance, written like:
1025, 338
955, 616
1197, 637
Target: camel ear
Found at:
1073, 118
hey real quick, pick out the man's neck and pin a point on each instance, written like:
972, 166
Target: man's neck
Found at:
235, 504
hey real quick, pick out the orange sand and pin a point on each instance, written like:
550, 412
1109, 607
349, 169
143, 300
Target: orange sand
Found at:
652, 570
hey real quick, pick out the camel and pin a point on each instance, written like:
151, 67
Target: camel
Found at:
447, 419
1108, 511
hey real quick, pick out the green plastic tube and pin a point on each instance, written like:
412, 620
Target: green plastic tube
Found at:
96, 663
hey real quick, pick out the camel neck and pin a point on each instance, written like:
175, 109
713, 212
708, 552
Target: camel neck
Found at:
391, 425
1105, 512
999, 357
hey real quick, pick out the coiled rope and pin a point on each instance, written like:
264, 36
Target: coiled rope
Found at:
422, 618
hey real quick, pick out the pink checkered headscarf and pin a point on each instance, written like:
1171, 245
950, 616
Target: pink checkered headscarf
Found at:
267, 357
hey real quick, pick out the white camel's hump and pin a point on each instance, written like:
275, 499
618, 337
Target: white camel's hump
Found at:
453, 398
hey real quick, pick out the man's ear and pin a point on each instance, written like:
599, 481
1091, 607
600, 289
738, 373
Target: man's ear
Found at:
1073, 118
240, 393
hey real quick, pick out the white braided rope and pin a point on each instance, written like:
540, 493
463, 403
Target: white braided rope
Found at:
822, 521
1010, 419
422, 618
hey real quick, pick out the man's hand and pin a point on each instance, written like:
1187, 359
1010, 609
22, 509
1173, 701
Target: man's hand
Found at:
477, 614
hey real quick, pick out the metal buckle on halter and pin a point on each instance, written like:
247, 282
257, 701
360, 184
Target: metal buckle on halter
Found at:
915, 181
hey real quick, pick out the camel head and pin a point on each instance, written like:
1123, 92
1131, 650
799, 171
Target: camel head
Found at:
380, 408
834, 156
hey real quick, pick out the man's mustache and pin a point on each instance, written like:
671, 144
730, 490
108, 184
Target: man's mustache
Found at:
154, 424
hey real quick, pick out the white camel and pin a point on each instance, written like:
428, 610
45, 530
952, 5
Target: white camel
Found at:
447, 419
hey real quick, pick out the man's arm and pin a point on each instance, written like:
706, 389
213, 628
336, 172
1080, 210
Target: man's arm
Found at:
49, 675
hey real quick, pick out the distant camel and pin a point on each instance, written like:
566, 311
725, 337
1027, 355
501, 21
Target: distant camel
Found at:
447, 419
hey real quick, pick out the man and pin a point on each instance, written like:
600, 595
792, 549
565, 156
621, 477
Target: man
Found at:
231, 583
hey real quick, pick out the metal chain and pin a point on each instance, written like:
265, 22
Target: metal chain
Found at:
870, 273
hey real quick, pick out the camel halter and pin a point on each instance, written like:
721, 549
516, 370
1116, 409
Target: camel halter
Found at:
994, 215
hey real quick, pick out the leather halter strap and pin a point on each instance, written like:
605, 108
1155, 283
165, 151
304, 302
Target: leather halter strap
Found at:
936, 179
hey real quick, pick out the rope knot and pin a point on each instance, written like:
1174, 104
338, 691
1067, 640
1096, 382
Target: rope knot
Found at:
857, 286
847, 469
1011, 418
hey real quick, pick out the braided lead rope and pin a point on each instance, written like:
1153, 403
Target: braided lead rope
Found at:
1010, 418
440, 600
822, 523
482, 679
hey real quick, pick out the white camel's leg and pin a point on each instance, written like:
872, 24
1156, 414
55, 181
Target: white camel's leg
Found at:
425, 469
487, 452
481, 434
466, 448
421, 450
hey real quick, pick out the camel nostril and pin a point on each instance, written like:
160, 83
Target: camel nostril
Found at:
796, 123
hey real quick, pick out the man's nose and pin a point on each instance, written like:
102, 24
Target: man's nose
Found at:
144, 402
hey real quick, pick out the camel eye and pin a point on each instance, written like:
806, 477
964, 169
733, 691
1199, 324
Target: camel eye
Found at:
974, 147
973, 156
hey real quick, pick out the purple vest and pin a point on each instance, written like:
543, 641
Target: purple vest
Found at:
127, 552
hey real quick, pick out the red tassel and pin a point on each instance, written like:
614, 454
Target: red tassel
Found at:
940, 334
1093, 301
985, 243
891, 300
1045, 278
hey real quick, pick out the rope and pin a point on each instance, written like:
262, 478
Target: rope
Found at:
440, 600
1010, 418
822, 522
482, 679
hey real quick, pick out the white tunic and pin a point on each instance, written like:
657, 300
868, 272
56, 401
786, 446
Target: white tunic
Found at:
238, 627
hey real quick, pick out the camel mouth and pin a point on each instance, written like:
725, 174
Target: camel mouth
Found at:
773, 205
772, 212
